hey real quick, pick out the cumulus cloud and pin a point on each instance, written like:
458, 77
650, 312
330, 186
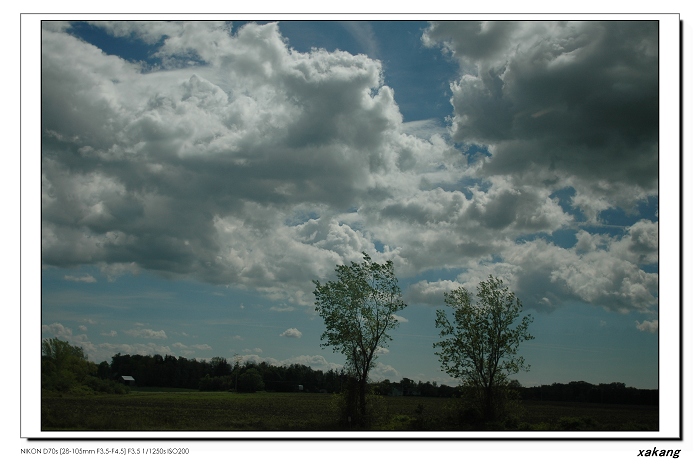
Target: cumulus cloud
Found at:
600, 270
383, 371
237, 160
291, 332
147, 333
57, 330
648, 326
182, 170
560, 103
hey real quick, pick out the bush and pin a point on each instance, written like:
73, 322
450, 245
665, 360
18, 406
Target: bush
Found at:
105, 385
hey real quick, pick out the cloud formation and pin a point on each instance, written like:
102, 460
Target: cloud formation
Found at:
560, 104
146, 333
238, 160
648, 326
291, 332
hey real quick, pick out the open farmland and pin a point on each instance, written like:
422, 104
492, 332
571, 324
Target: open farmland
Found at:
224, 411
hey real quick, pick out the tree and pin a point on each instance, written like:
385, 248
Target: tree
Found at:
220, 366
251, 381
359, 311
480, 347
63, 365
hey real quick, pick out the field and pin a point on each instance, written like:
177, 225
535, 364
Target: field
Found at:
224, 411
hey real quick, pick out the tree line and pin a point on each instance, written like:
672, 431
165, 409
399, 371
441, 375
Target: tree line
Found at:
581, 391
66, 368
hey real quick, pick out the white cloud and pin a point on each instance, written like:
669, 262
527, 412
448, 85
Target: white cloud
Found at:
147, 333
80, 279
317, 362
382, 371
201, 346
425, 129
291, 332
240, 161
648, 326
57, 330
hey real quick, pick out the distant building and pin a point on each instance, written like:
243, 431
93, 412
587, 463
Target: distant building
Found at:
128, 380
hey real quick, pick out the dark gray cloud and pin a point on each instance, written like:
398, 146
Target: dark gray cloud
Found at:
568, 103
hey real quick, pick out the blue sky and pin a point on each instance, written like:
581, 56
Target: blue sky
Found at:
197, 176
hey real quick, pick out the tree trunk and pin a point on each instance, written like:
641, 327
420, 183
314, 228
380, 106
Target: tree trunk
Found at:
488, 403
362, 387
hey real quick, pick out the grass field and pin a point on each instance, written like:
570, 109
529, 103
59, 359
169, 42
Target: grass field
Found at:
178, 410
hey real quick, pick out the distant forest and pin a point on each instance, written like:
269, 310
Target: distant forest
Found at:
65, 368
219, 375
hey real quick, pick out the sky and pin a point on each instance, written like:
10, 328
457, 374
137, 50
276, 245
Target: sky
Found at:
196, 177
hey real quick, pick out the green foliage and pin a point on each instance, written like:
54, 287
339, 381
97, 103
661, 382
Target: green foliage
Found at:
480, 347
65, 368
250, 381
400, 423
98, 385
215, 383
359, 310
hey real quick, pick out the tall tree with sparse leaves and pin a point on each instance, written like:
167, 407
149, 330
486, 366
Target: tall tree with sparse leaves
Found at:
359, 311
480, 347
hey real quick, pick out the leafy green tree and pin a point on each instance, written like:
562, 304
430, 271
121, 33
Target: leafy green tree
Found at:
481, 346
359, 311
251, 381
62, 365
220, 366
